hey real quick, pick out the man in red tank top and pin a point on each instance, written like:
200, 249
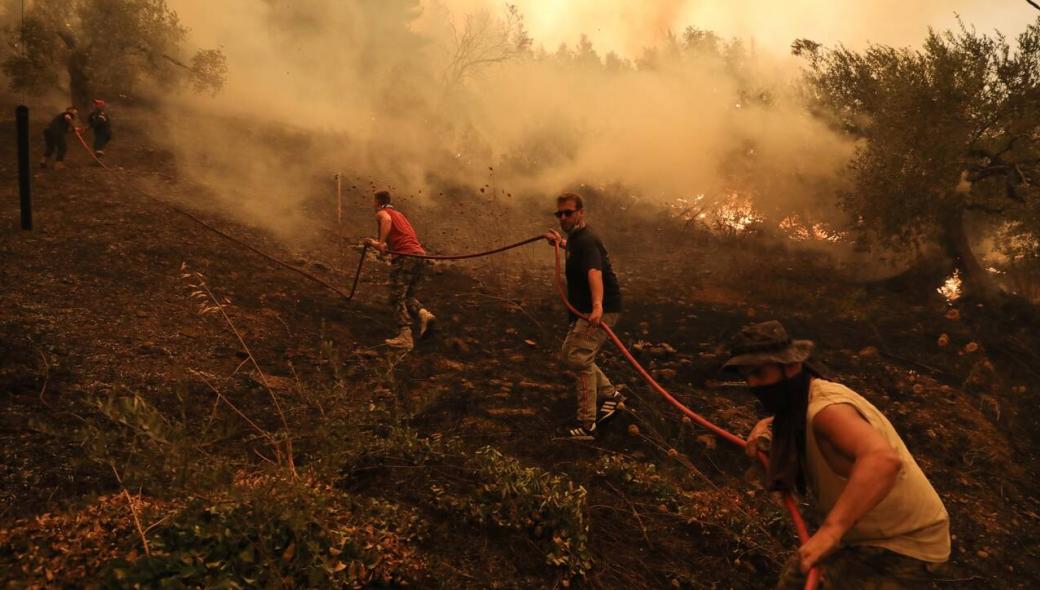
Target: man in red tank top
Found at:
397, 236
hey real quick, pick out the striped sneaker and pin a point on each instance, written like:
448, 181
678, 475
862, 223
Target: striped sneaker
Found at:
580, 432
611, 405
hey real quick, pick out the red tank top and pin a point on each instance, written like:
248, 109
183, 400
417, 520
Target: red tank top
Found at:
402, 236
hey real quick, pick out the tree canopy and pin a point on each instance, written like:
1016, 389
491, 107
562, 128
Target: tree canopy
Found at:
949, 135
106, 46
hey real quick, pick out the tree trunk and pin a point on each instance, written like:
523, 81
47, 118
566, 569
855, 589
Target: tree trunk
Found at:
77, 64
80, 92
953, 239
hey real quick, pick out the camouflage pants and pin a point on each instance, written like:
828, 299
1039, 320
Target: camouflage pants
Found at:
580, 348
860, 567
405, 274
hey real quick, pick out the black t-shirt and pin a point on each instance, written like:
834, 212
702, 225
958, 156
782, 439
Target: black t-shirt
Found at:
59, 125
585, 251
99, 121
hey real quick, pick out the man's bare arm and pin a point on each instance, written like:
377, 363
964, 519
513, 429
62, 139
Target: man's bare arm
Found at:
596, 289
383, 219
875, 464
875, 467
384, 226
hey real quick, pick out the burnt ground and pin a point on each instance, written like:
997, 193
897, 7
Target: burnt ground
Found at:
93, 304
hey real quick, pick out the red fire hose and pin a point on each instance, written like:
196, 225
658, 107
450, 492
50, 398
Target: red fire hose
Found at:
799, 523
465, 256
364, 250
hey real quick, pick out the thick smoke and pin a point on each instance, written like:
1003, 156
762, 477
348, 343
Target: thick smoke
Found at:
627, 26
421, 96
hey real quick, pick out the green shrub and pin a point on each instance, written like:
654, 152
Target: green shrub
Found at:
550, 507
272, 532
641, 478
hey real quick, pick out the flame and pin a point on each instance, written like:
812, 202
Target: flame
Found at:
951, 287
797, 230
736, 214
731, 215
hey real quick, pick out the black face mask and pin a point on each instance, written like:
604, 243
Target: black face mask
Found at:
782, 395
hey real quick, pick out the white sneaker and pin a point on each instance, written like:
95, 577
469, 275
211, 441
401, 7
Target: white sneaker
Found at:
403, 340
425, 319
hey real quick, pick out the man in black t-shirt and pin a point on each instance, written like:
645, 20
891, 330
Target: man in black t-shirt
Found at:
102, 126
592, 289
54, 137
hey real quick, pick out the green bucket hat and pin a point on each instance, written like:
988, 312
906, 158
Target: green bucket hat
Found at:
764, 343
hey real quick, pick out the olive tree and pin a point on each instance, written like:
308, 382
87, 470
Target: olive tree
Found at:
105, 45
949, 140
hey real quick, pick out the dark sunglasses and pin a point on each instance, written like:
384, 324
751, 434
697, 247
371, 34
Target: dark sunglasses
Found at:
565, 213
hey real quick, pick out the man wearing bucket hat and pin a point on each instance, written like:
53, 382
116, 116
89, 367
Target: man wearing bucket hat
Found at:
883, 524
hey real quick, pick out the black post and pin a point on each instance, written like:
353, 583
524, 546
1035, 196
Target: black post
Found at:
21, 114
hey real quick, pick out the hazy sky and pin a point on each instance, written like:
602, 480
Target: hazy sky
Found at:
626, 26
542, 125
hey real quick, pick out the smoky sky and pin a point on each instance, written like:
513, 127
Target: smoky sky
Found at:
376, 96
627, 26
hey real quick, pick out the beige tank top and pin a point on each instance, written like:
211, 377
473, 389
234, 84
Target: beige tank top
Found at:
911, 520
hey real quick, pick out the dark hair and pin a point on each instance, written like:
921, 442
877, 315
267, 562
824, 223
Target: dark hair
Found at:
383, 197
563, 198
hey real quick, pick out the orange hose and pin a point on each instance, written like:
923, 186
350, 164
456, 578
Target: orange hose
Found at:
465, 256
89, 151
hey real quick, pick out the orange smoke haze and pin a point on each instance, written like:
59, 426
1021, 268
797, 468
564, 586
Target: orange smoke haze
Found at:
375, 100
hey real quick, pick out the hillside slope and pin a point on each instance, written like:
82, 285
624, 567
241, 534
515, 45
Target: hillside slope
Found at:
437, 468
